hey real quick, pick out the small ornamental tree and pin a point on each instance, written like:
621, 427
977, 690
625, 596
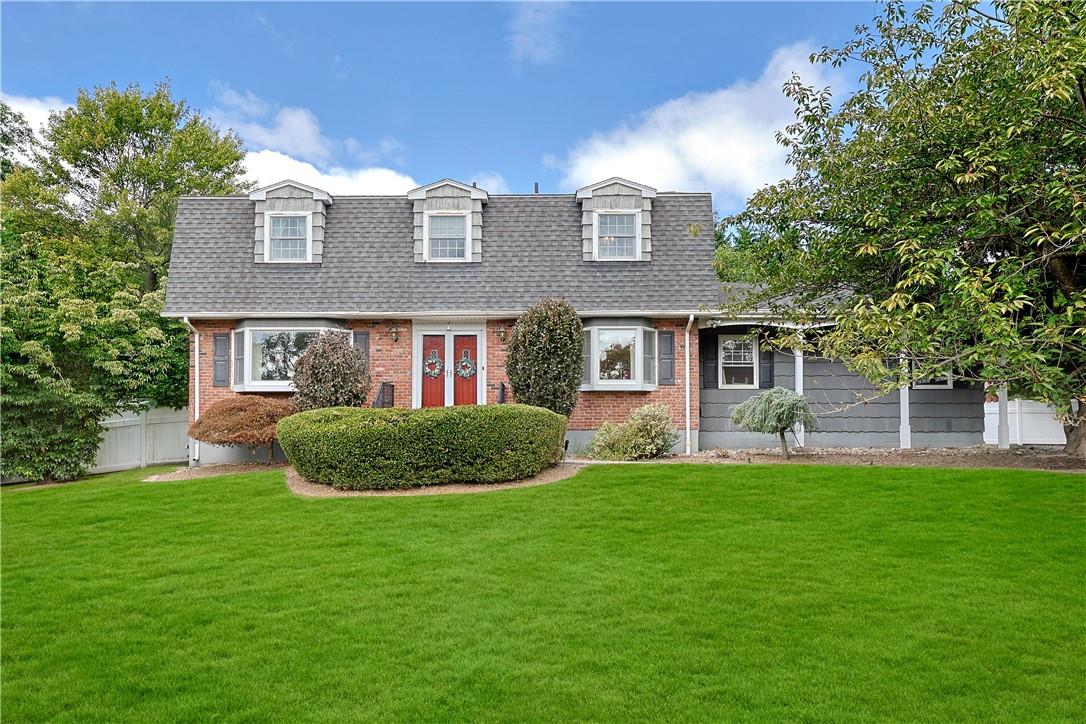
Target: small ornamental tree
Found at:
242, 420
331, 372
545, 356
775, 411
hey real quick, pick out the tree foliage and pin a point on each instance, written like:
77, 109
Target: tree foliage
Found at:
248, 420
775, 411
938, 212
331, 372
545, 356
87, 217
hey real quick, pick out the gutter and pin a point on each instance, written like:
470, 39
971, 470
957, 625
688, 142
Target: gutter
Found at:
689, 323
196, 393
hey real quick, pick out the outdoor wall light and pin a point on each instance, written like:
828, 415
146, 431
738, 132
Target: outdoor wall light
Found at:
395, 333
500, 331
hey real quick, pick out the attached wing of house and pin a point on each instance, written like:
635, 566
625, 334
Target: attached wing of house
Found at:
435, 278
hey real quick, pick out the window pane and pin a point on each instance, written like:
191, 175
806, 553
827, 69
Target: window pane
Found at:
447, 227
618, 236
736, 351
273, 354
239, 357
288, 227
447, 248
287, 249
616, 354
737, 375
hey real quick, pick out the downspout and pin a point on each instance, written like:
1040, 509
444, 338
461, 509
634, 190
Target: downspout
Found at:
196, 392
686, 350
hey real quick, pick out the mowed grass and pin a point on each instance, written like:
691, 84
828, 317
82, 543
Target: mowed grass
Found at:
678, 592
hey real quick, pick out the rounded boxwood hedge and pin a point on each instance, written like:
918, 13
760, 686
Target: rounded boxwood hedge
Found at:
365, 448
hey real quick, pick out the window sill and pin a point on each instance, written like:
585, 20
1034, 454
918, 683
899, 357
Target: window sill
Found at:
314, 264
620, 387
737, 387
448, 261
264, 387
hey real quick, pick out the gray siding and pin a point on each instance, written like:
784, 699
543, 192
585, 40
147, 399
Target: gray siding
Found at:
850, 412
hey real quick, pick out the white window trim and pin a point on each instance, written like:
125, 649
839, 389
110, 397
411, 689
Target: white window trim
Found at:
637, 384
596, 234
720, 362
247, 384
426, 216
947, 384
308, 236
420, 328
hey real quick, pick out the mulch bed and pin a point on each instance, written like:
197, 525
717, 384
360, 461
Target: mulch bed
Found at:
1021, 458
300, 486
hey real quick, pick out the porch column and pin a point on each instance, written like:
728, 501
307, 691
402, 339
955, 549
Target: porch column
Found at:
801, 433
1004, 421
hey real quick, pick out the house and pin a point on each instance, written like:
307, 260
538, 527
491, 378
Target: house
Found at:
430, 284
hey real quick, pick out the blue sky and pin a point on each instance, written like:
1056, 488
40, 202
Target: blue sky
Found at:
372, 98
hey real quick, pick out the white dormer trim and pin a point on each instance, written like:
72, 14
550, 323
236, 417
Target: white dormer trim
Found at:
261, 194
647, 192
477, 193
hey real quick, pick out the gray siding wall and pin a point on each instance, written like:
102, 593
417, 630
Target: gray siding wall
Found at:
290, 198
850, 413
450, 198
616, 197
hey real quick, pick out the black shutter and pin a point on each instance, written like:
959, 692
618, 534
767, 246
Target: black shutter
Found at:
667, 357
765, 371
709, 368
586, 373
221, 361
362, 341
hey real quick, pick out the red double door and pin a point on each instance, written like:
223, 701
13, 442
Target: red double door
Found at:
448, 376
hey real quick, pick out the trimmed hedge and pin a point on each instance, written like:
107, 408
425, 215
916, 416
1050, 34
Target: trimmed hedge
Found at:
363, 448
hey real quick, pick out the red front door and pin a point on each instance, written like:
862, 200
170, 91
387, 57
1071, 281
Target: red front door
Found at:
433, 370
465, 370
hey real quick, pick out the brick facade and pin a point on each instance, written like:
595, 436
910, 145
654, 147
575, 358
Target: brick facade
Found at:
390, 361
595, 408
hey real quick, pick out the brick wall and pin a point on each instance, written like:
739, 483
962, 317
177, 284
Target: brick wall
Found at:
595, 408
391, 362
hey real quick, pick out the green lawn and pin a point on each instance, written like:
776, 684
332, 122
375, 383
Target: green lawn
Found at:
667, 592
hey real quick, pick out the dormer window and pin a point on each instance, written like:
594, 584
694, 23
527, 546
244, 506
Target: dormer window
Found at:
445, 236
289, 237
617, 237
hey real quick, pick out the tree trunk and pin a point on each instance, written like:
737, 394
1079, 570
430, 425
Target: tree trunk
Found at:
784, 444
1075, 430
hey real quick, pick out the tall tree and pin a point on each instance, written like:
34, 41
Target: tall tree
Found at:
938, 212
87, 223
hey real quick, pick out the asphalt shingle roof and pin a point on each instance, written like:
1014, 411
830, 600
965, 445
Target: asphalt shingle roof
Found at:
531, 249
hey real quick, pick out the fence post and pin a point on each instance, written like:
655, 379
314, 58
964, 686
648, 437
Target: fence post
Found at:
143, 438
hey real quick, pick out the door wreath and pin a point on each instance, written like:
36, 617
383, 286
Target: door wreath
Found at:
465, 366
432, 366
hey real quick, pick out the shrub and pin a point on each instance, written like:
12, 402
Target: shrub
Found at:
360, 448
331, 372
242, 420
647, 433
545, 360
775, 411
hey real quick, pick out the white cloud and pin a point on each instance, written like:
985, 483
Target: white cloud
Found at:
722, 141
35, 110
292, 130
534, 32
267, 167
491, 181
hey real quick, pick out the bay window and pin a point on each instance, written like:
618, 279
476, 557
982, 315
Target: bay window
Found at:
620, 358
264, 357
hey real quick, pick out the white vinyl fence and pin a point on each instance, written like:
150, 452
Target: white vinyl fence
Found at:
1031, 423
136, 440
